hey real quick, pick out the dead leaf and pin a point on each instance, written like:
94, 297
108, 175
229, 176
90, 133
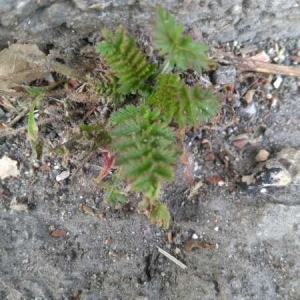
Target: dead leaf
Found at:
191, 244
189, 172
14, 205
77, 294
108, 240
209, 156
194, 191
248, 179
101, 216
169, 237
214, 179
229, 90
240, 143
59, 232
8, 167
87, 210
249, 96
21, 64
261, 57
72, 84
208, 143
108, 163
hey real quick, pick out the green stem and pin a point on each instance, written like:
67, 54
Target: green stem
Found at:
166, 67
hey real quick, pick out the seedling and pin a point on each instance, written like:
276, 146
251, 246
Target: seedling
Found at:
142, 135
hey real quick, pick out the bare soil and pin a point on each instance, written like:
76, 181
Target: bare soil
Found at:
111, 253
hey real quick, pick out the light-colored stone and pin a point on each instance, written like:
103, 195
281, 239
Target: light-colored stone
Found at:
8, 167
290, 157
262, 155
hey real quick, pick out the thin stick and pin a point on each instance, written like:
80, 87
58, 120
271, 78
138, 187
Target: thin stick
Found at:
172, 258
8, 132
267, 68
19, 117
249, 64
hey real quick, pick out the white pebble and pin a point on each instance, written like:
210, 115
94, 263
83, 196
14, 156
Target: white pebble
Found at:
221, 183
62, 176
278, 82
216, 228
195, 236
263, 191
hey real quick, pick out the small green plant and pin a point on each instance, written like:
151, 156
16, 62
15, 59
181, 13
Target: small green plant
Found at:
142, 136
32, 128
179, 49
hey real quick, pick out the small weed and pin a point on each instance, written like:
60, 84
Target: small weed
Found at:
142, 136
151, 103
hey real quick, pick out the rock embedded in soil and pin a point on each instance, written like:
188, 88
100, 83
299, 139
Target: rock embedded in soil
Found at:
290, 157
269, 176
62, 176
262, 155
225, 75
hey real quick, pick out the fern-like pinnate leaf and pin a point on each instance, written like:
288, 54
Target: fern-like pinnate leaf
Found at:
179, 49
145, 146
126, 60
180, 103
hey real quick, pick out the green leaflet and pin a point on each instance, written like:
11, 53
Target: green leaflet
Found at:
160, 215
127, 62
96, 133
108, 88
145, 146
114, 191
32, 128
180, 103
179, 49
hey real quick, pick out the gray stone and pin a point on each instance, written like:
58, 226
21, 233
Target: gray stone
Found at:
290, 157
225, 75
2, 114
28, 20
267, 177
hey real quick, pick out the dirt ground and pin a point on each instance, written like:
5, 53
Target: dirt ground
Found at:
106, 253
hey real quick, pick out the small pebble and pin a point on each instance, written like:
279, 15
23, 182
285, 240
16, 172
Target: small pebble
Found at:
2, 114
236, 9
262, 155
62, 176
195, 236
277, 83
225, 75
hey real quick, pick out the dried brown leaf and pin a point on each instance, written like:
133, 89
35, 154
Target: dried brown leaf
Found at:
21, 64
87, 210
249, 96
240, 143
58, 232
191, 244
261, 57
209, 156
214, 179
169, 237
108, 163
